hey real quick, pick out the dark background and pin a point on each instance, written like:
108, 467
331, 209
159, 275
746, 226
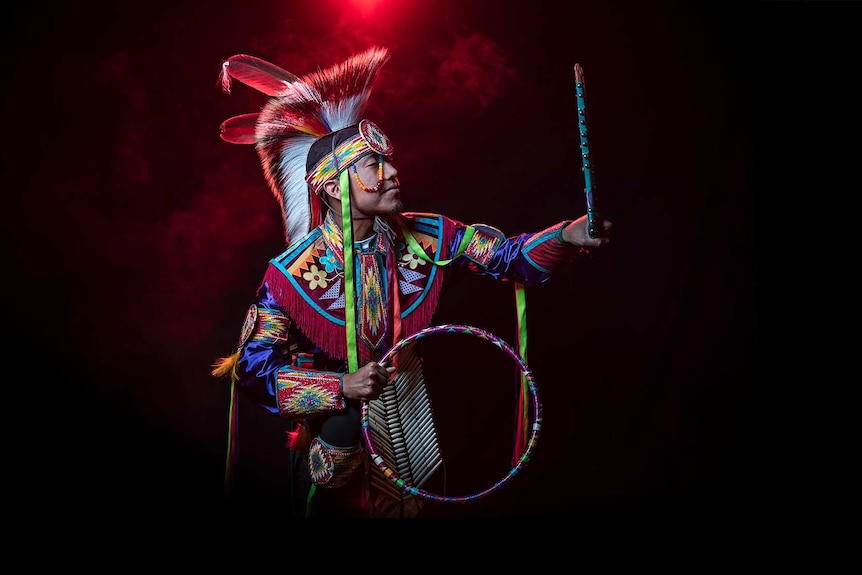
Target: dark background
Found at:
137, 238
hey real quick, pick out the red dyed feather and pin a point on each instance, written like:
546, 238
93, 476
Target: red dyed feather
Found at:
291, 116
239, 129
259, 74
299, 111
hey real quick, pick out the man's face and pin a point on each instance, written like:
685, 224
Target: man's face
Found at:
385, 202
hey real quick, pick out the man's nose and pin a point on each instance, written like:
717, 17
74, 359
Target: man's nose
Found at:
389, 170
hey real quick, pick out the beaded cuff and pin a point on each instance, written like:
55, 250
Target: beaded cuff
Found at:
548, 251
304, 392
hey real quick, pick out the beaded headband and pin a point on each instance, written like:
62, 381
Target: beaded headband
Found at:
369, 140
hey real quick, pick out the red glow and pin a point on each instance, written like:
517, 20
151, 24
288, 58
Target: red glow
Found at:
139, 238
366, 6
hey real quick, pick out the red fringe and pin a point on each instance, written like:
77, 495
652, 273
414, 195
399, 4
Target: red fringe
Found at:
424, 314
326, 335
331, 337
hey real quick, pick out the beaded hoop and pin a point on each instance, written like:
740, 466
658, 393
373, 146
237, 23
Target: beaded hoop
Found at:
534, 432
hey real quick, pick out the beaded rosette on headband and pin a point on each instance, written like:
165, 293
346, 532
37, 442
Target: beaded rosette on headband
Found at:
300, 111
369, 139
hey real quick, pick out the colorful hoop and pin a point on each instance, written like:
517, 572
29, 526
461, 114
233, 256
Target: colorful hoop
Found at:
531, 443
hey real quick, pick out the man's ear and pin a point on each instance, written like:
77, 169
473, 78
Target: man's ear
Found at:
332, 189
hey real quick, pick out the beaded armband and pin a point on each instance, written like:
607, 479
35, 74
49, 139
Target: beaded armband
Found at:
484, 244
265, 326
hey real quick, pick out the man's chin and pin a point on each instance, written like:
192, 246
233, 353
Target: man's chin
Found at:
397, 208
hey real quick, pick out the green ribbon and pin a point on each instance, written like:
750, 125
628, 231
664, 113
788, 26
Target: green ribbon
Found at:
349, 277
417, 249
521, 310
349, 291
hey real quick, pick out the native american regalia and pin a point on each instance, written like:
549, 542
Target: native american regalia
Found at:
292, 352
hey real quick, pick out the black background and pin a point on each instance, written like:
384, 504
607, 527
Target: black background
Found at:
137, 238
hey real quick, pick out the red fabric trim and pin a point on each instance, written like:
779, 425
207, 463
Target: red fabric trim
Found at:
330, 337
424, 313
549, 251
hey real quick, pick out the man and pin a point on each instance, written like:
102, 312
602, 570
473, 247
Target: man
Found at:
323, 317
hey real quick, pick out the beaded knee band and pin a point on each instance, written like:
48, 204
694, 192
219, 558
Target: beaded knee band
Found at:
333, 467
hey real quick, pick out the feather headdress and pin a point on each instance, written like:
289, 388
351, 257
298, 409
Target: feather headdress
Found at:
301, 110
